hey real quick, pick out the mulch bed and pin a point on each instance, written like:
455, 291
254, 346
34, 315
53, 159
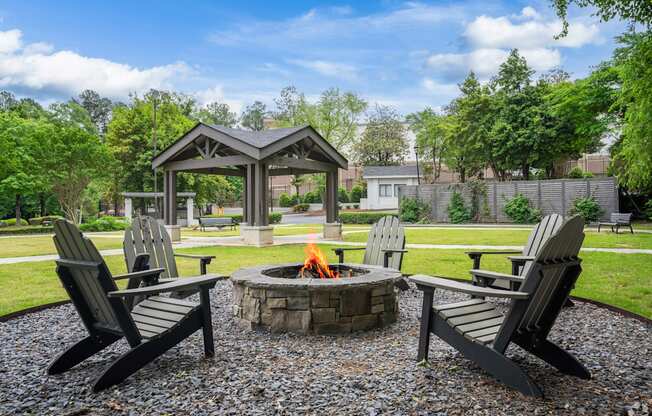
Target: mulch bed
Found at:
365, 373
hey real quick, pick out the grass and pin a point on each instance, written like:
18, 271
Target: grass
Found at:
509, 237
622, 280
20, 246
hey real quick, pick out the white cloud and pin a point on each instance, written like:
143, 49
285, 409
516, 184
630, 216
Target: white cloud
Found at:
529, 12
38, 67
501, 32
330, 69
216, 94
438, 88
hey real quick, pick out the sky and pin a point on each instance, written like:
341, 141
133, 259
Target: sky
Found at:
407, 55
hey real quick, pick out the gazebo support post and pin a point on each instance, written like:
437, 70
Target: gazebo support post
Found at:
170, 205
332, 226
257, 232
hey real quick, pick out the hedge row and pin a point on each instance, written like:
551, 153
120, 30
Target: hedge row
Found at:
26, 230
361, 217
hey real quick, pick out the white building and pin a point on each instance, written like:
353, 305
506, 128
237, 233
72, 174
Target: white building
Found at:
383, 182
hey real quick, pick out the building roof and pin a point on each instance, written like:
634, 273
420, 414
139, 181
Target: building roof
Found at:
258, 139
390, 171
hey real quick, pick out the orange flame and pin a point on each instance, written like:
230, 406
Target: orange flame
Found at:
316, 263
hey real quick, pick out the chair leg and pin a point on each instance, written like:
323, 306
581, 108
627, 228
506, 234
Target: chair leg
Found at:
141, 355
207, 323
631, 230
80, 351
559, 358
424, 334
598, 227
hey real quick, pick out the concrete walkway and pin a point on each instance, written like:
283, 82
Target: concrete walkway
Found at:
236, 241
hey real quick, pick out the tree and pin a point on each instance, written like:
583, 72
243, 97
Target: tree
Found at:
383, 142
430, 132
217, 113
98, 108
297, 181
636, 11
253, 116
74, 114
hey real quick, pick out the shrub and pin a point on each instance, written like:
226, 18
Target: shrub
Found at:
342, 196
48, 218
576, 173
361, 217
458, 212
356, 206
25, 230
274, 217
588, 174
413, 210
285, 200
105, 224
12, 221
519, 210
648, 209
587, 208
311, 197
300, 208
356, 194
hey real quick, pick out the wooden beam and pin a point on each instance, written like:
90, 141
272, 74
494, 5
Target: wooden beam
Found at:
220, 171
302, 164
291, 171
215, 162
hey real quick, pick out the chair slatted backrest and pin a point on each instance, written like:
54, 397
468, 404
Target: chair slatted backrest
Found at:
91, 284
541, 233
147, 235
549, 282
387, 233
621, 218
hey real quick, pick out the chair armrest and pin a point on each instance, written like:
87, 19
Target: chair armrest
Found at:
424, 282
194, 256
480, 253
176, 286
486, 274
340, 252
388, 253
521, 259
394, 250
140, 274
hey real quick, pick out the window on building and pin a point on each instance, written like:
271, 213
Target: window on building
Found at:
385, 190
396, 188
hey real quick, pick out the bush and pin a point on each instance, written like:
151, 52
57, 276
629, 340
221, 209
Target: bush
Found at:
105, 224
342, 196
25, 230
12, 221
274, 217
48, 218
361, 217
648, 209
458, 212
519, 210
313, 197
300, 208
285, 200
413, 210
588, 175
587, 208
576, 173
356, 194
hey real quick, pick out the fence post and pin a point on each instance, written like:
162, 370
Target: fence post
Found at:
563, 197
434, 211
495, 201
588, 188
539, 197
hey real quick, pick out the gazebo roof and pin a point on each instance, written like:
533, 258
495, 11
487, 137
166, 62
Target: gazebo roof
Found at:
212, 148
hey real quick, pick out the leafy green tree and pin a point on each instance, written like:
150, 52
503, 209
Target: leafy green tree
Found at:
384, 141
217, 113
74, 114
637, 11
253, 116
431, 133
98, 108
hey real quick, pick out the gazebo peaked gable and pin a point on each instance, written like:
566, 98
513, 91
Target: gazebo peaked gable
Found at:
242, 147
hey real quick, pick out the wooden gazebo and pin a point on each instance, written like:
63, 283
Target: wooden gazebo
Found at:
254, 155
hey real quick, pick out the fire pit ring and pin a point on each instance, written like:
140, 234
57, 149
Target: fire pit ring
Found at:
274, 297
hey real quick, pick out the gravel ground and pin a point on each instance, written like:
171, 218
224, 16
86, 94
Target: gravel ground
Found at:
368, 373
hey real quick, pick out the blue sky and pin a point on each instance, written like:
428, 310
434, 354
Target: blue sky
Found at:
405, 54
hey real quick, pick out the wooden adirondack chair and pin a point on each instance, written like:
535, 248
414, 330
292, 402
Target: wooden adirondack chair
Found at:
385, 245
151, 328
482, 334
520, 259
147, 236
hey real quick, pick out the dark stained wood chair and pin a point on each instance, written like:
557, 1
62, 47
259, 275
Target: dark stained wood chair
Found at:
147, 236
151, 328
520, 259
482, 333
385, 244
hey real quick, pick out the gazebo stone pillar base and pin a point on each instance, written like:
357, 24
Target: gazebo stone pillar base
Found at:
175, 232
332, 231
242, 226
257, 235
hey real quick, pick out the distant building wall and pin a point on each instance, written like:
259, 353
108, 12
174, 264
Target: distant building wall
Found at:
550, 196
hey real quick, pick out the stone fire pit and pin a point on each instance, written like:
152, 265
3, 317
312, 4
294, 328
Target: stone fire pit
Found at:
275, 297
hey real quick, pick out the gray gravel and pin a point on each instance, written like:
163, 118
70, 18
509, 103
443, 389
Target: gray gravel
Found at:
369, 373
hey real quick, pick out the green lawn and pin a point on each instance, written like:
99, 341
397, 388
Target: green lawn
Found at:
20, 246
509, 237
623, 280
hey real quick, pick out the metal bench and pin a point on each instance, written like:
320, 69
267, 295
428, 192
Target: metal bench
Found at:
220, 223
618, 220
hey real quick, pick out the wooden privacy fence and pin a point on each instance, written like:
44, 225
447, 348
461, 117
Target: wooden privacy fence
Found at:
550, 196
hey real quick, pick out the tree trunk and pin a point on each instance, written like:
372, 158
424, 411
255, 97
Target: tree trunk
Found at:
462, 175
115, 205
41, 203
525, 170
18, 210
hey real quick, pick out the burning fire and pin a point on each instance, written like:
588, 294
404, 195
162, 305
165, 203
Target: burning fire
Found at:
316, 264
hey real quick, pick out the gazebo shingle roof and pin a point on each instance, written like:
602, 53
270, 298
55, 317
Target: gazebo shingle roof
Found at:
258, 139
